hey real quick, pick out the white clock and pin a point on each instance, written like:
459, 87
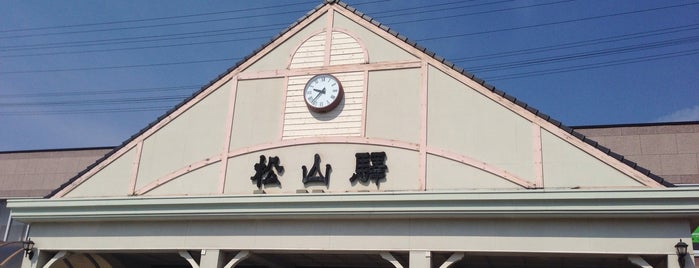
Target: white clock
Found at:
323, 93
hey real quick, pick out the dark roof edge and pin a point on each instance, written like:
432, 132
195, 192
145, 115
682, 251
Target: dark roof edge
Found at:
506, 96
679, 123
380, 26
57, 150
169, 112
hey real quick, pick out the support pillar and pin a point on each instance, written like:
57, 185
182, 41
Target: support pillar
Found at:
640, 262
43, 259
211, 258
238, 258
420, 259
387, 256
185, 254
457, 256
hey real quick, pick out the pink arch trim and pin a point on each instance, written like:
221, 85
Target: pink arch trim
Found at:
341, 140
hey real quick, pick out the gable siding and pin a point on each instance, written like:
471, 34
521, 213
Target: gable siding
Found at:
380, 50
465, 122
345, 120
311, 53
568, 167
182, 142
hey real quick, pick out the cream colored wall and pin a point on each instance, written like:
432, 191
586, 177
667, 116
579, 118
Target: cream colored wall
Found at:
193, 136
603, 236
113, 180
566, 167
258, 111
444, 174
393, 106
203, 181
463, 121
402, 164
460, 121
379, 49
279, 57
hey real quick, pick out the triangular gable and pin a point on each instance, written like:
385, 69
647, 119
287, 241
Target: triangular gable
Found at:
440, 127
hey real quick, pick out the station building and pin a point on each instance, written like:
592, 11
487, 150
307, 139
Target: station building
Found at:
341, 143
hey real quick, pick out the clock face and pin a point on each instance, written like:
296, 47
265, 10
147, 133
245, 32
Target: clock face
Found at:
323, 93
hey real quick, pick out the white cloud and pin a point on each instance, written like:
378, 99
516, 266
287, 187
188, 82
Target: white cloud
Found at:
686, 114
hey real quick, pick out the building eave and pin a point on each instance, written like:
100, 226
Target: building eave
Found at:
663, 203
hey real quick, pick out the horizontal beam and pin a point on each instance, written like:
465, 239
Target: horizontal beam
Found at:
675, 203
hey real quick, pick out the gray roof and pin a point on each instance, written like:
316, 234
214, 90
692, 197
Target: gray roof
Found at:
409, 42
37, 173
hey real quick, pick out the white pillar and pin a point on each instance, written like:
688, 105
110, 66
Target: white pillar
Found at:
211, 258
457, 256
42, 259
185, 254
387, 256
638, 261
420, 259
238, 258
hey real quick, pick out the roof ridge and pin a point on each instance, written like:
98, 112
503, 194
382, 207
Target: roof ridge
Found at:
400, 37
654, 124
196, 93
511, 98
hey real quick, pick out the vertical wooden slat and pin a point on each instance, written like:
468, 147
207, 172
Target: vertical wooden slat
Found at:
227, 136
365, 94
282, 121
538, 156
299, 122
422, 170
134, 170
328, 37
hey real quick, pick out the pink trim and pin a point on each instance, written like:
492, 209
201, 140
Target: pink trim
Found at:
365, 96
134, 171
298, 46
324, 140
359, 41
338, 140
285, 143
328, 37
482, 166
556, 131
635, 174
96, 169
198, 98
283, 115
538, 156
227, 135
385, 35
406, 64
173, 175
422, 166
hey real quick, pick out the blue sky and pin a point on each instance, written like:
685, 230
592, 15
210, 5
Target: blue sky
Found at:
93, 73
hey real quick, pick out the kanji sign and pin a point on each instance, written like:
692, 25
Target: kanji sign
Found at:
370, 167
314, 174
264, 175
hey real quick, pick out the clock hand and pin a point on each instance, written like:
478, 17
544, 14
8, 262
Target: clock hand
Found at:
316, 97
320, 92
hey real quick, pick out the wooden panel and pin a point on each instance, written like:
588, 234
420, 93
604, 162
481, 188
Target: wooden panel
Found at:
311, 53
345, 50
345, 120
